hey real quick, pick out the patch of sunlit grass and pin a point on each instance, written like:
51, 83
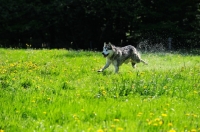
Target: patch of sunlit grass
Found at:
58, 90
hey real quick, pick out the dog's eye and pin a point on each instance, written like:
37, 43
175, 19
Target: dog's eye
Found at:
105, 49
109, 48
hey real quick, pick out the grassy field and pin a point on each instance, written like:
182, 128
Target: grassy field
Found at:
61, 91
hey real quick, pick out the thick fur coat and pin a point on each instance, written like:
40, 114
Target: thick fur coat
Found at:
119, 55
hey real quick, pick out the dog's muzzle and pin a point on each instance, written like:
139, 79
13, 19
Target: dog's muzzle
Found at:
105, 55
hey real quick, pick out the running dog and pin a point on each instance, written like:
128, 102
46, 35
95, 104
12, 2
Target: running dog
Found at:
119, 55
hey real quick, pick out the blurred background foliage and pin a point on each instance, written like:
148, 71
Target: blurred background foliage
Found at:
86, 24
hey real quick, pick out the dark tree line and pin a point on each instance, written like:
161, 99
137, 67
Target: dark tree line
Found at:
86, 24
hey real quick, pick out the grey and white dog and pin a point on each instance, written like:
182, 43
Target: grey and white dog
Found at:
119, 55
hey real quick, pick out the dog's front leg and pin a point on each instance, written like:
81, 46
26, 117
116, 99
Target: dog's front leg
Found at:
116, 66
108, 62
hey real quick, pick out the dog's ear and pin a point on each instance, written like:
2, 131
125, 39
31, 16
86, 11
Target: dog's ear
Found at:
104, 43
110, 45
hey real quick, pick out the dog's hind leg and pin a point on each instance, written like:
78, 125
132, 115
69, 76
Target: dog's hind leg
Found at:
137, 59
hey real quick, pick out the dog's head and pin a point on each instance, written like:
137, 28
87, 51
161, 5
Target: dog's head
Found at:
107, 50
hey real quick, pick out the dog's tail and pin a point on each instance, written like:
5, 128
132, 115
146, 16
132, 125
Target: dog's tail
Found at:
143, 62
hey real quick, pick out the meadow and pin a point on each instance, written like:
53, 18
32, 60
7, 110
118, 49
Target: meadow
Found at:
61, 91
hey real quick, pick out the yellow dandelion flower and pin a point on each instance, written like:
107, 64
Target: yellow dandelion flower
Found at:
193, 130
150, 122
89, 129
172, 130
104, 92
194, 115
1, 130
165, 109
139, 114
170, 124
160, 123
151, 114
112, 126
45, 112
167, 104
157, 119
116, 120
120, 129
74, 115
187, 114
164, 115
195, 92
76, 118
155, 124
100, 130
145, 100
142, 73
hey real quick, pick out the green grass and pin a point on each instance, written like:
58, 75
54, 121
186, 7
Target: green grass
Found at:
61, 90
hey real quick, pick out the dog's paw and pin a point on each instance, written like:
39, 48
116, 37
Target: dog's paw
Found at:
100, 70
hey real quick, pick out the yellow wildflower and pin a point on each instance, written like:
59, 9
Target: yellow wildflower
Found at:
193, 130
100, 130
139, 114
172, 130
170, 124
116, 120
157, 119
155, 124
112, 126
150, 122
89, 129
160, 123
120, 129
195, 92
151, 114
164, 115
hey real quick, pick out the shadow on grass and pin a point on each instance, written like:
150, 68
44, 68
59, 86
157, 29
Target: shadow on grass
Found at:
189, 52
